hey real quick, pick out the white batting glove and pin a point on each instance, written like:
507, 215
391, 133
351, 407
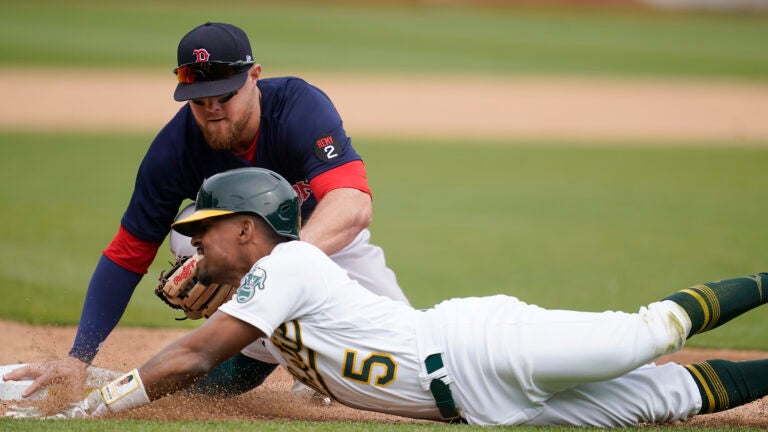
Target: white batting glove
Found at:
92, 406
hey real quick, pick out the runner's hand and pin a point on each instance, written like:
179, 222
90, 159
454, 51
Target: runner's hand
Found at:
69, 372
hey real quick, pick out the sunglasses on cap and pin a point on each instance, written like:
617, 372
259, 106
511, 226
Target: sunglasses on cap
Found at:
209, 71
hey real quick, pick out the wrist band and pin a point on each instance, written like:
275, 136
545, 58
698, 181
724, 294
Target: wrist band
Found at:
125, 392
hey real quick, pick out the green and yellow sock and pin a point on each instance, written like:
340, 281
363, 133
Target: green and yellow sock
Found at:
715, 303
725, 384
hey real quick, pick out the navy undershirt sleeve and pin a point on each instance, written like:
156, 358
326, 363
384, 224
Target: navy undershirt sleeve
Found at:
109, 292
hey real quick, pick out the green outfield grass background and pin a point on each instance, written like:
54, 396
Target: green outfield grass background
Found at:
561, 224
436, 39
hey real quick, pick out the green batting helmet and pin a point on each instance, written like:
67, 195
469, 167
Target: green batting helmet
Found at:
253, 191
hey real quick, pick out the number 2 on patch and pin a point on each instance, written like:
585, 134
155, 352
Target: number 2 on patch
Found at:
330, 152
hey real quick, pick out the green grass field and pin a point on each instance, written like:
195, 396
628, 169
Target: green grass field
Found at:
436, 40
561, 224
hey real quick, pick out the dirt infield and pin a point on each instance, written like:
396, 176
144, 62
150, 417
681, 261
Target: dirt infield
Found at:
129, 347
609, 111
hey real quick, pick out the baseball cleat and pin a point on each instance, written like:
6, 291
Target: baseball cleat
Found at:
300, 390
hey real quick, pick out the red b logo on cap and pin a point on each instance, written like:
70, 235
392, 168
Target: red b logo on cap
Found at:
201, 55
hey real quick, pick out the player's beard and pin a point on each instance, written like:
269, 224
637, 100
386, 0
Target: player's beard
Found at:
227, 139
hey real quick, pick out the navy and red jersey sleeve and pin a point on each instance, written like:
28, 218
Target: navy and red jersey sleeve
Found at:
303, 134
166, 176
350, 175
130, 252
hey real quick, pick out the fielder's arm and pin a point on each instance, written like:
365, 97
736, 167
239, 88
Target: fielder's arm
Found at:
338, 219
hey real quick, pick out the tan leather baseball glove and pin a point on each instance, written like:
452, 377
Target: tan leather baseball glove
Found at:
180, 289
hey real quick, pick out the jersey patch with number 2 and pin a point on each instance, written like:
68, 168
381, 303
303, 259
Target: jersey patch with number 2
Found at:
327, 148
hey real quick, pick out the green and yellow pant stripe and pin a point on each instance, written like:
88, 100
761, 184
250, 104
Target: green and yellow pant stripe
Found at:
715, 303
725, 384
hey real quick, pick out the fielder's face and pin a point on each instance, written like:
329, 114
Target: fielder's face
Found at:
230, 121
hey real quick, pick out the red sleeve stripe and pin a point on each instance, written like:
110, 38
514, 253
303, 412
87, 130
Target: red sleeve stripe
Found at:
350, 175
130, 252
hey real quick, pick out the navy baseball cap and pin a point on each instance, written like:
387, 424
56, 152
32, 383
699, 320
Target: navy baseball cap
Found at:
213, 59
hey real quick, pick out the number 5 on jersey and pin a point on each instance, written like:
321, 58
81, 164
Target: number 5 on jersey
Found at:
379, 366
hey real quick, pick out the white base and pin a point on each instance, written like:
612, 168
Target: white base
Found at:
12, 390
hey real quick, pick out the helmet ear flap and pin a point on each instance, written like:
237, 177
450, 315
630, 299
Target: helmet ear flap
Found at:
285, 219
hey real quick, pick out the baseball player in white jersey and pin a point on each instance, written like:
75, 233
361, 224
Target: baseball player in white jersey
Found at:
361, 259
491, 360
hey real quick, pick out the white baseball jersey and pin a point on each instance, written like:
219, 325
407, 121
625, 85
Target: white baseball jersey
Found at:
363, 261
332, 334
507, 362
